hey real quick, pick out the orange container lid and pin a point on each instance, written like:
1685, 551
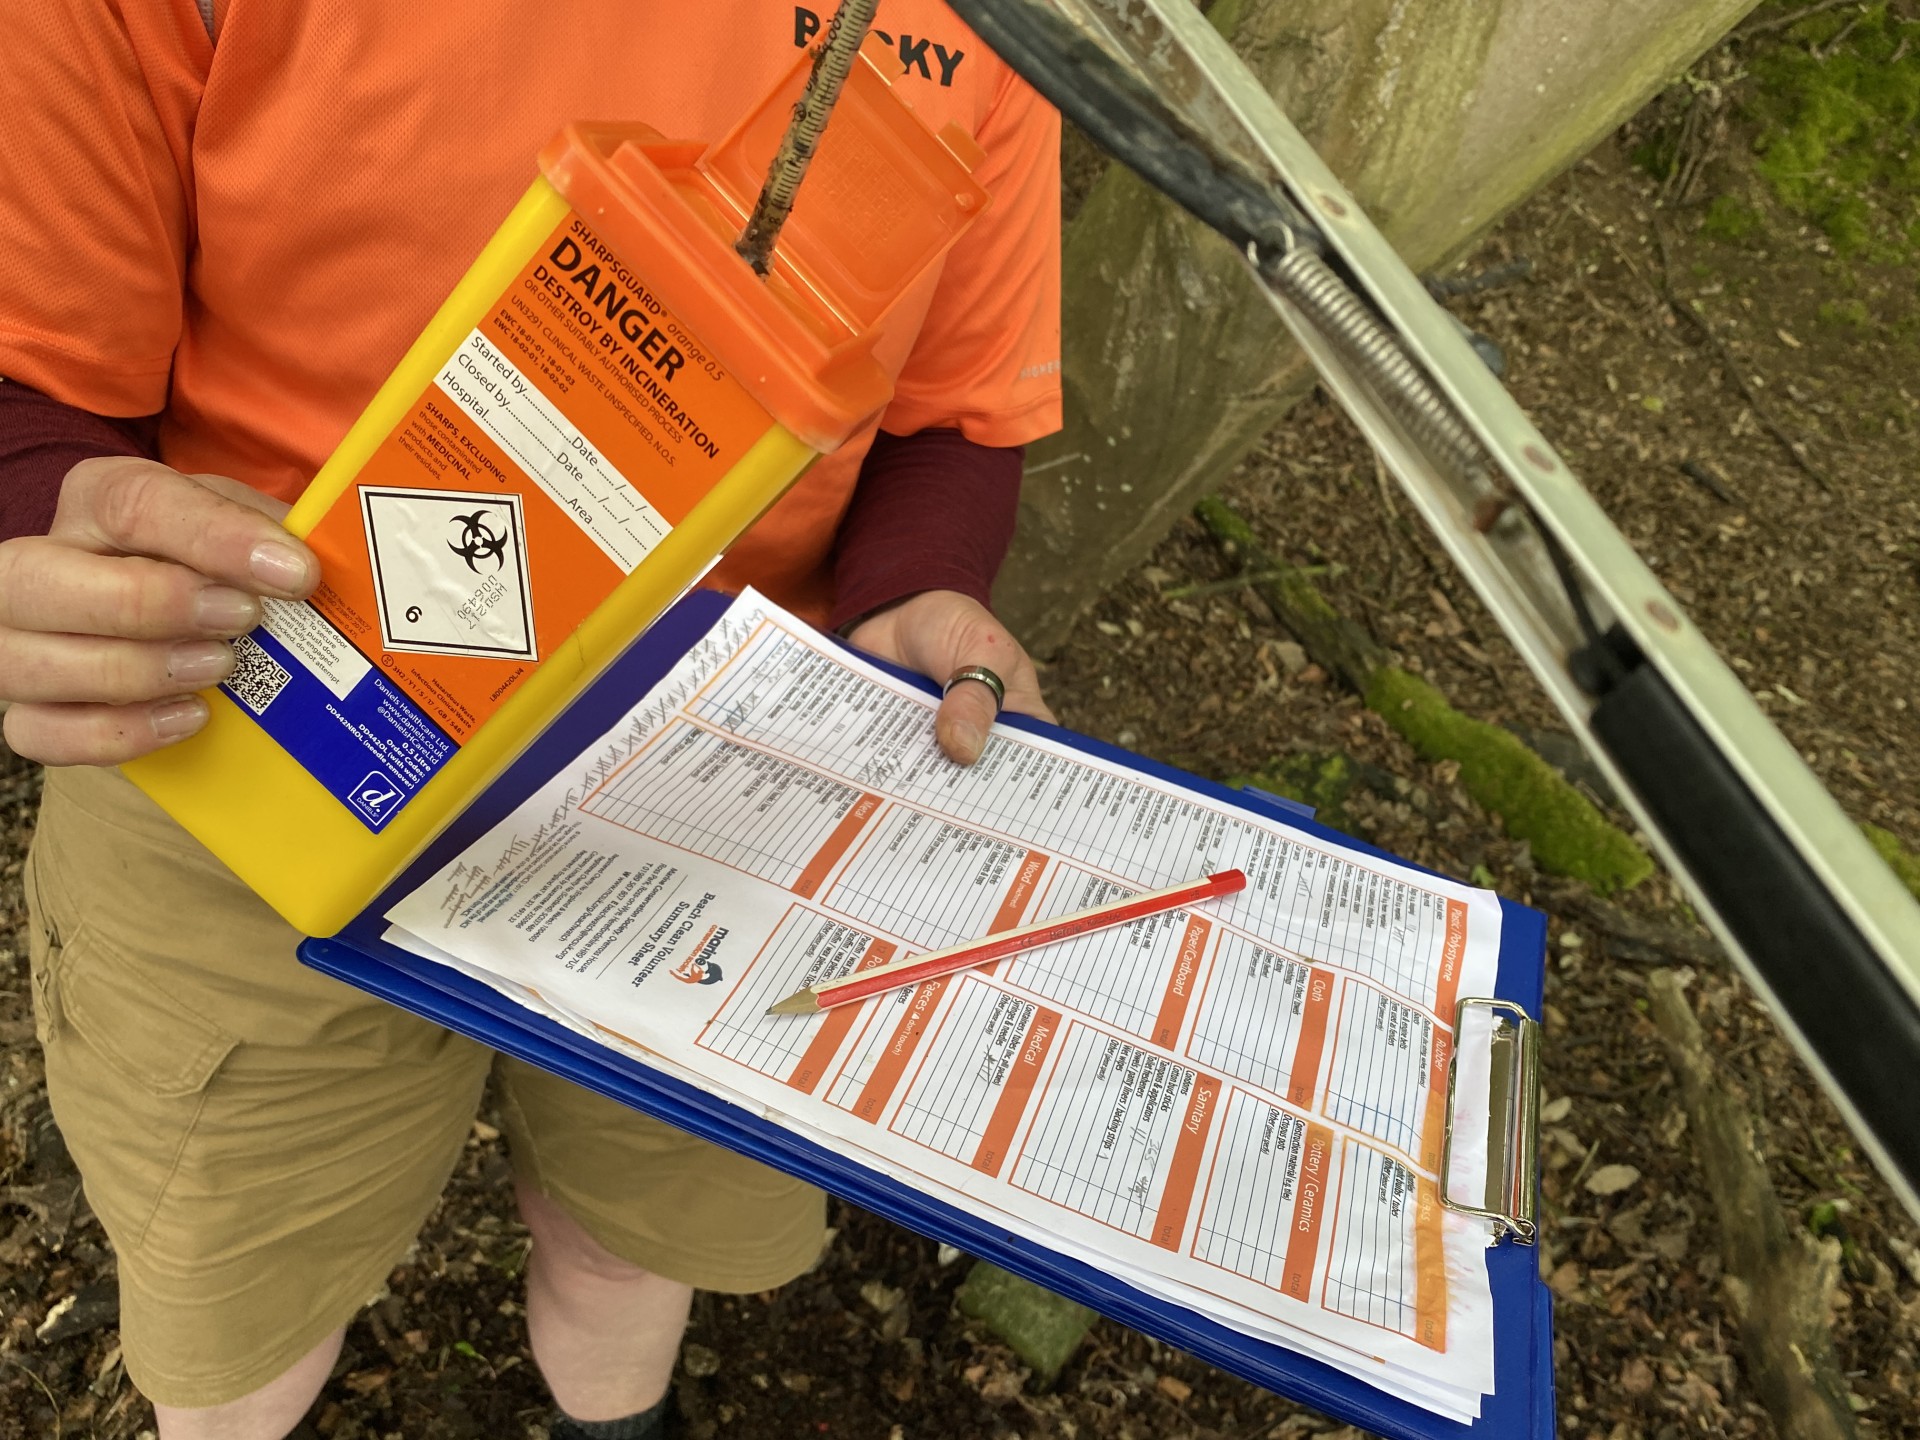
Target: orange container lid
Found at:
882, 200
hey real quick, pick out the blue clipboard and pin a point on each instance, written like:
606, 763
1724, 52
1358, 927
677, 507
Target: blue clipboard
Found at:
1522, 1403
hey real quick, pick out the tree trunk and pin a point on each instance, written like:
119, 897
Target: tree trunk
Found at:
1439, 116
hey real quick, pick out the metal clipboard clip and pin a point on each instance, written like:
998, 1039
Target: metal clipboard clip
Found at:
1513, 1120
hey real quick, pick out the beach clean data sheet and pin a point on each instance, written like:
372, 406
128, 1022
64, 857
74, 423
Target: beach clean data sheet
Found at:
1239, 1106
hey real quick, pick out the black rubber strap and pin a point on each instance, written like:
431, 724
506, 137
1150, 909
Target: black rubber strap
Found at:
1850, 1008
1127, 120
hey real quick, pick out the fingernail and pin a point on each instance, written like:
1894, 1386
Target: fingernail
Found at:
195, 663
279, 566
968, 738
225, 611
177, 719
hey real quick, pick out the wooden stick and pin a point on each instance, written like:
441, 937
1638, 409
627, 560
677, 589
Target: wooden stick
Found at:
863, 984
831, 62
1730, 363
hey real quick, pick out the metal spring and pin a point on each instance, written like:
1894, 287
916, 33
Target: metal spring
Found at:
1313, 285
1533, 564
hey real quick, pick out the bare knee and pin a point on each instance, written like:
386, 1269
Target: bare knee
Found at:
560, 1242
265, 1414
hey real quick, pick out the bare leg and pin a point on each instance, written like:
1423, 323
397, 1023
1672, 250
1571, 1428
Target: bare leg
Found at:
604, 1331
268, 1413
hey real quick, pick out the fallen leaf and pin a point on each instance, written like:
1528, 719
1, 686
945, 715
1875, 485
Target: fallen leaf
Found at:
1556, 1110
883, 1298
1003, 1385
107, 1378
1612, 1179
1566, 1280
1907, 1255
1695, 1393
54, 1316
1671, 1126
365, 1382
1671, 1245
1628, 1227
1175, 1389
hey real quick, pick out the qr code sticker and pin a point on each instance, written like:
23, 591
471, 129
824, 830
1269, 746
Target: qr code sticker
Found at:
257, 677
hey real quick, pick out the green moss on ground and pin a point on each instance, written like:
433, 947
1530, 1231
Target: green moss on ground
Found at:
1568, 835
1849, 314
1296, 589
1902, 861
1837, 100
1731, 220
1320, 778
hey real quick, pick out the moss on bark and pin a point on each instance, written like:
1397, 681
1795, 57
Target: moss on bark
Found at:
1042, 1328
1568, 834
1902, 861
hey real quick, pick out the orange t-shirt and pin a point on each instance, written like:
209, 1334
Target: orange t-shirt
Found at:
243, 218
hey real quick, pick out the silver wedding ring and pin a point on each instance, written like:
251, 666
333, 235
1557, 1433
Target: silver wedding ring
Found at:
986, 677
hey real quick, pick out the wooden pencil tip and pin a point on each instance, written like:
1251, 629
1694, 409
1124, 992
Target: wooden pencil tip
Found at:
801, 1002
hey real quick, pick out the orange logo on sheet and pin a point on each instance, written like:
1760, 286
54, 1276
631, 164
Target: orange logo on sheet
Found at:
696, 970
699, 968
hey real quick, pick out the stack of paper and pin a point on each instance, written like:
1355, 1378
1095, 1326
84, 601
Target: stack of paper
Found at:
1238, 1108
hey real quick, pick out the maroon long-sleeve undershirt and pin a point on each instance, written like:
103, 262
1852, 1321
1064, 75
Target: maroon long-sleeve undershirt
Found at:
931, 511
41, 439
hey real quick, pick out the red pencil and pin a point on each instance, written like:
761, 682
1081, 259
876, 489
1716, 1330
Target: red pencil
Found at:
915, 968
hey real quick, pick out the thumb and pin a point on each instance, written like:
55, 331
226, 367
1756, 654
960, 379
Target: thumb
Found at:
966, 714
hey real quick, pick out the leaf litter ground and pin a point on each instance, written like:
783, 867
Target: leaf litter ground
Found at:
1812, 594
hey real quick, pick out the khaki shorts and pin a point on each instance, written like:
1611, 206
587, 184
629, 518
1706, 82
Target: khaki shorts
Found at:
262, 1142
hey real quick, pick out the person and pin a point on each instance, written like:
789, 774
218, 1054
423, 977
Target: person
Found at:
223, 222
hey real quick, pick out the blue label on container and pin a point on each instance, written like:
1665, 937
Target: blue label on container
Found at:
332, 710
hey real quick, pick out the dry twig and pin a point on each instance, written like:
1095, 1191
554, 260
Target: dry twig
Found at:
1797, 449
1787, 22
1700, 130
1703, 476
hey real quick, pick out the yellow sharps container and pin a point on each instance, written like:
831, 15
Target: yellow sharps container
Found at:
607, 399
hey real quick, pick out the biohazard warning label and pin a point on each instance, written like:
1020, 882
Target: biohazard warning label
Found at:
546, 456
450, 572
